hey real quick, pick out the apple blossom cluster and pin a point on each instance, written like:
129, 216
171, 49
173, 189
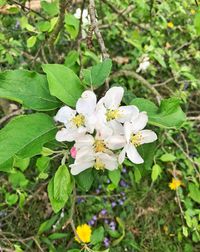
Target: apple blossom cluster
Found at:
104, 132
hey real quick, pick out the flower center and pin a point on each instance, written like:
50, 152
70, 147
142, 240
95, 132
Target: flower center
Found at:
78, 120
136, 139
112, 114
99, 146
99, 165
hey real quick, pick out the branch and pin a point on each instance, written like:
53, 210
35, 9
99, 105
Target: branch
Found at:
138, 77
94, 22
7, 117
59, 25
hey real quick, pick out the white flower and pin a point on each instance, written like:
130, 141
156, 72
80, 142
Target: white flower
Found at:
136, 136
79, 121
110, 114
144, 64
93, 152
85, 17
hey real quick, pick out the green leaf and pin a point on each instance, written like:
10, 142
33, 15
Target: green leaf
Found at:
85, 179
97, 236
167, 157
122, 227
197, 22
168, 115
71, 58
156, 170
137, 175
50, 8
115, 176
11, 199
56, 204
27, 88
62, 181
56, 236
71, 25
194, 192
43, 26
31, 41
17, 179
96, 75
21, 163
63, 83
24, 136
42, 163
45, 226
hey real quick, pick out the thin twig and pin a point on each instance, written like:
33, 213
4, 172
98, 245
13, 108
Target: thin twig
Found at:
59, 25
138, 77
7, 117
92, 12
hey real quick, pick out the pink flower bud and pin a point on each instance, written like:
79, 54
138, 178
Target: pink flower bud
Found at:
73, 152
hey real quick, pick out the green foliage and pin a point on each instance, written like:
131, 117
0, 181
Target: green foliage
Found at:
27, 88
59, 188
24, 136
115, 176
96, 75
168, 115
63, 83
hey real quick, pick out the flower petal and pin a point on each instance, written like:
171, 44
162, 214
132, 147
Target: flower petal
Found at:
115, 142
87, 103
133, 154
139, 122
84, 154
122, 156
65, 114
113, 97
79, 167
148, 136
66, 135
84, 141
116, 127
127, 112
110, 161
128, 131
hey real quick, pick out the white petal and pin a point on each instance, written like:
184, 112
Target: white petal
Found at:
65, 114
128, 131
109, 161
66, 135
122, 156
115, 142
133, 154
139, 122
84, 154
113, 97
117, 127
87, 103
79, 167
84, 141
127, 112
90, 123
148, 136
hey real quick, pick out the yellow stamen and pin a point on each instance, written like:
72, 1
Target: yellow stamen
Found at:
112, 114
98, 164
99, 146
136, 139
78, 120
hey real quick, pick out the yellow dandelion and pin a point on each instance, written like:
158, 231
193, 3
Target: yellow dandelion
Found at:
192, 11
84, 233
176, 183
170, 25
